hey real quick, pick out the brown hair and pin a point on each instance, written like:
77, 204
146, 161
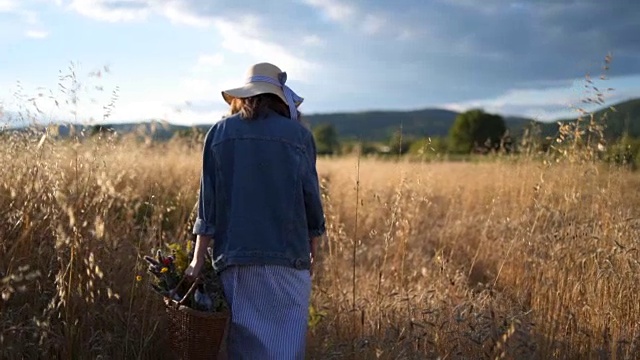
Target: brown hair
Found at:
253, 107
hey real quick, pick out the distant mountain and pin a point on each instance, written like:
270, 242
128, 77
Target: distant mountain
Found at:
623, 117
380, 125
155, 130
160, 131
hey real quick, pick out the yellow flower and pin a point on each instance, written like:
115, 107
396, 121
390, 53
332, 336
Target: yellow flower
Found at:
164, 270
315, 316
181, 260
138, 278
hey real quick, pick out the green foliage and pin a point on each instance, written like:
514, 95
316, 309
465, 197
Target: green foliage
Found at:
360, 147
476, 130
400, 143
190, 132
101, 130
429, 146
625, 152
326, 139
193, 136
369, 148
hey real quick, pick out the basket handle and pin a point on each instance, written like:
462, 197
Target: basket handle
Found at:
191, 289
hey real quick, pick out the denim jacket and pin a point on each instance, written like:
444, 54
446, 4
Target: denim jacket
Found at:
259, 194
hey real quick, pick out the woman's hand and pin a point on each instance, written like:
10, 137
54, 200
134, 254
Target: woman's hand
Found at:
193, 270
198, 261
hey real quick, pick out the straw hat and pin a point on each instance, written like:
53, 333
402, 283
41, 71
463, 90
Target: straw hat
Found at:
264, 78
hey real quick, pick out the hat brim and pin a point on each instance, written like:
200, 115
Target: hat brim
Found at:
253, 89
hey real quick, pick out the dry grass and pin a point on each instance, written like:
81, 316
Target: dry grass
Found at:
481, 261
511, 259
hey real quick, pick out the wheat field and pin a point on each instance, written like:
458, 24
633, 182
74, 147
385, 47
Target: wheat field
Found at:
515, 258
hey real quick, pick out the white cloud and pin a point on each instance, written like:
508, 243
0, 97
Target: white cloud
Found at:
147, 109
193, 89
313, 40
333, 9
177, 11
169, 104
189, 117
209, 61
179, 14
37, 34
196, 97
128, 10
240, 37
351, 16
525, 97
17, 9
541, 103
30, 17
8, 5
192, 100
372, 24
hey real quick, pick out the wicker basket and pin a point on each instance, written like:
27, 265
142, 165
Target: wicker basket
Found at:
194, 334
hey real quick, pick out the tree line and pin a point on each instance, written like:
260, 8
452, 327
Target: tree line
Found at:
476, 132
472, 131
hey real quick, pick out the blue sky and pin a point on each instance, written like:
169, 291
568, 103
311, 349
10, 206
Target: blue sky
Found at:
169, 59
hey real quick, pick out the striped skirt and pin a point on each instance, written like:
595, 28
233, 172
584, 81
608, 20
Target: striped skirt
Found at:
269, 312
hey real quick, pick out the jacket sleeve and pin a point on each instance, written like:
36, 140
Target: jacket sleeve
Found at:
205, 221
311, 190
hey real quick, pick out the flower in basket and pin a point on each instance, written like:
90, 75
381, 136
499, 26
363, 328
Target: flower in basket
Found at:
168, 273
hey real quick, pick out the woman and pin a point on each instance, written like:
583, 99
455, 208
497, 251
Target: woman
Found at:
260, 204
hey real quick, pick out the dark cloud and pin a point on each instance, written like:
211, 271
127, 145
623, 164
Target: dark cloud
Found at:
448, 50
470, 49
